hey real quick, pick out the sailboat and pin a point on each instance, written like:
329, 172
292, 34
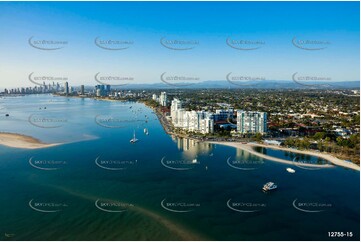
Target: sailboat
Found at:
134, 139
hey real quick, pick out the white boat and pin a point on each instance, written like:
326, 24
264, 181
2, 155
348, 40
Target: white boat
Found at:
134, 138
146, 131
290, 170
269, 186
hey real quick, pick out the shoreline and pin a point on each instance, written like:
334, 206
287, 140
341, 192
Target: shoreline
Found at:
249, 148
28, 142
21, 141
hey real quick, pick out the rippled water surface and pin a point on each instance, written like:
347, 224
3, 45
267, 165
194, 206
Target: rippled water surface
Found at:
99, 186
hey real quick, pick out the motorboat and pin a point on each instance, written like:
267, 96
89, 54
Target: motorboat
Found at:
290, 170
269, 186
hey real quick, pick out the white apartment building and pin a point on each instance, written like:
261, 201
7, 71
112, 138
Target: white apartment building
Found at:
163, 99
251, 122
155, 97
193, 121
174, 107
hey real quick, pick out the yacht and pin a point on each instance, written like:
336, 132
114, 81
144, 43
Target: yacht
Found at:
269, 186
146, 131
290, 170
134, 139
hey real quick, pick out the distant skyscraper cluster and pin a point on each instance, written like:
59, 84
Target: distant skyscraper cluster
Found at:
45, 88
102, 90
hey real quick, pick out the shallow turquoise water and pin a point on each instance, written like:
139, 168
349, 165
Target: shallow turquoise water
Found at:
97, 165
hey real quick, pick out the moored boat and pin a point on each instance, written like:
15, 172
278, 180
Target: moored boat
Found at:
134, 139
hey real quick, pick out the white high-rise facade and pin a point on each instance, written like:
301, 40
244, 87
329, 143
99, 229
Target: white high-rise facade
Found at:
163, 99
251, 122
155, 97
193, 121
175, 106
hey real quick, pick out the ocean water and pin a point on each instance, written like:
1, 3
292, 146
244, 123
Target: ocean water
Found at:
99, 186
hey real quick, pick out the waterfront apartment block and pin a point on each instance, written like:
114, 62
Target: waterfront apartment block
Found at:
250, 122
194, 121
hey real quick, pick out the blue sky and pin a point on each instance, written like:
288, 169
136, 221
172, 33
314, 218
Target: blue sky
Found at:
210, 23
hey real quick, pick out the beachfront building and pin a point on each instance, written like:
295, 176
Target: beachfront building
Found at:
206, 125
251, 122
174, 107
192, 121
197, 121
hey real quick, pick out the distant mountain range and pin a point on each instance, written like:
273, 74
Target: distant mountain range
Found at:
246, 85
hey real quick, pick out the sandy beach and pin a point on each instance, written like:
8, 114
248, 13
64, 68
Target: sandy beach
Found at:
22, 141
249, 147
